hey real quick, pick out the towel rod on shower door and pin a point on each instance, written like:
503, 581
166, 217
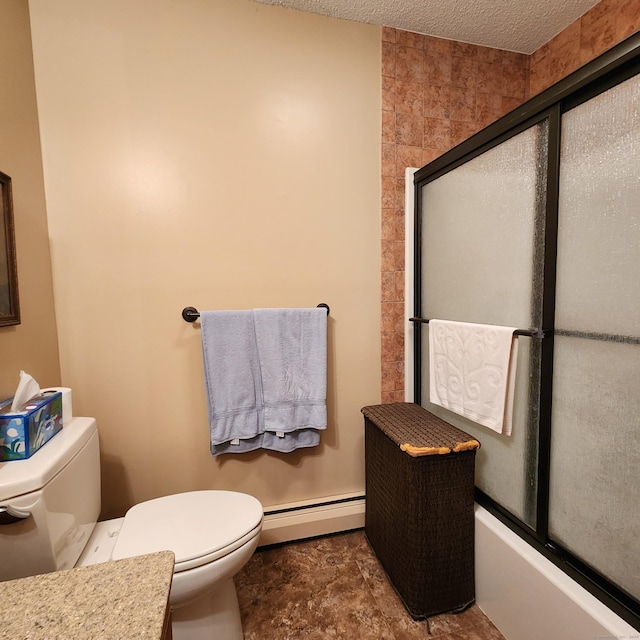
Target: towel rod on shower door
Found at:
532, 333
191, 314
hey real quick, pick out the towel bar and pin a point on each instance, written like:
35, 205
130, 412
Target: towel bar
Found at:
532, 333
191, 314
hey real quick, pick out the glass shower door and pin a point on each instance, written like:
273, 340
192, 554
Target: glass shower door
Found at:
481, 234
534, 222
595, 452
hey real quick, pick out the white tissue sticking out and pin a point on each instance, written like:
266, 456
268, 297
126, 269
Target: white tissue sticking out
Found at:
67, 409
27, 389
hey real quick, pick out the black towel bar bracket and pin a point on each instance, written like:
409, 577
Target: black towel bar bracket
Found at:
191, 314
531, 333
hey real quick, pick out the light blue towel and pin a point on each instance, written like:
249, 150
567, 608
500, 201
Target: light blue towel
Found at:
232, 375
292, 349
265, 372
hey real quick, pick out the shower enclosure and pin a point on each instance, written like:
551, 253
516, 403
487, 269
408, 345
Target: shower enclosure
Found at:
535, 223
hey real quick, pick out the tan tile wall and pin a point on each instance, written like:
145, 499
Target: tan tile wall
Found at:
435, 94
607, 24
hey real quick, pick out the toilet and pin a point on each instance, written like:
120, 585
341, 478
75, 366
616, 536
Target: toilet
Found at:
49, 507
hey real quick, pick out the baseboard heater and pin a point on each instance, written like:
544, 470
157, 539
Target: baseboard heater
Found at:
312, 518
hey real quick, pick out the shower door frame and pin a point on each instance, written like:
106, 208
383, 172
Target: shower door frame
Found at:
611, 68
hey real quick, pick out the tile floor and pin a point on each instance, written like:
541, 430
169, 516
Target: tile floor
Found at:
334, 587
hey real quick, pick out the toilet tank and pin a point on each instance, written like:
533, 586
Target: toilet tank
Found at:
51, 502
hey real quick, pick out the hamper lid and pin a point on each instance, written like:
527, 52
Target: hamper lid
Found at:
417, 431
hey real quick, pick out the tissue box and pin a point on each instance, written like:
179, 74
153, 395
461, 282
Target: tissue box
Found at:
23, 432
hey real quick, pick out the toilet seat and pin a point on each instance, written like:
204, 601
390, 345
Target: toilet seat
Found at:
198, 526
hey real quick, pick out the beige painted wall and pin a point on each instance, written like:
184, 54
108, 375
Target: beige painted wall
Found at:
222, 154
32, 345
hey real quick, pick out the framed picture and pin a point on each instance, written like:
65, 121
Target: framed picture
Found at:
9, 307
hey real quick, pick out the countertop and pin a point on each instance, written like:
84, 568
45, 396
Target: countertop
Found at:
108, 601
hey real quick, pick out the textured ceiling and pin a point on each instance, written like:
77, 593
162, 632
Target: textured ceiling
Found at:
515, 25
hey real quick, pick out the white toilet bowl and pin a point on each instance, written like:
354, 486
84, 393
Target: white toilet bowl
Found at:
203, 601
211, 533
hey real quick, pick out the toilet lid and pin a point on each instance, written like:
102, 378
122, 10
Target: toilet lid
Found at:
198, 526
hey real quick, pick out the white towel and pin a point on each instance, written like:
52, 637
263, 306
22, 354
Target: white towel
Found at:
472, 371
265, 375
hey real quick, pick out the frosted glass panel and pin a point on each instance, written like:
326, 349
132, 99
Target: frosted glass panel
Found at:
478, 235
599, 214
595, 458
506, 467
595, 486
481, 235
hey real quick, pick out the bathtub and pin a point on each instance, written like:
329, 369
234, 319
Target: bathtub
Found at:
528, 598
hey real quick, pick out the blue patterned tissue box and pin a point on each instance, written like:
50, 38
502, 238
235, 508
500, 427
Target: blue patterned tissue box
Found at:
23, 432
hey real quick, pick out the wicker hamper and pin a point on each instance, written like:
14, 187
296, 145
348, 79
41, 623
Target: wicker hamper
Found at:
419, 506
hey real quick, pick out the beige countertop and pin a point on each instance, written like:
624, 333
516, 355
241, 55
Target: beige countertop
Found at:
107, 601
